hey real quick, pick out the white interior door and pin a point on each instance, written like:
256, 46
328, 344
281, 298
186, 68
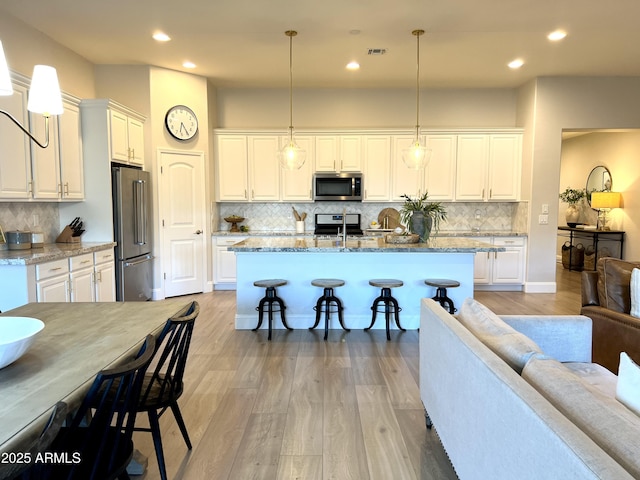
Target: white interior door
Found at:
182, 214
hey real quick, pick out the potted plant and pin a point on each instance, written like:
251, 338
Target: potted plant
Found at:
572, 196
421, 216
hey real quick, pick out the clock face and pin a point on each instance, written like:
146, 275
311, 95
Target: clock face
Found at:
181, 122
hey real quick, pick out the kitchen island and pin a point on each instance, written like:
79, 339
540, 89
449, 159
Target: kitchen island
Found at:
356, 261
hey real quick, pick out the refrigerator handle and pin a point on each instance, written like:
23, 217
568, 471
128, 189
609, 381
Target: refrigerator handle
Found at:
143, 211
138, 219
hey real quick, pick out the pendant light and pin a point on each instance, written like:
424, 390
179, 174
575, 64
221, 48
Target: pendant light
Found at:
291, 156
417, 156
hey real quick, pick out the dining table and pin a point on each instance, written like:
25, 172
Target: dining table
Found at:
78, 341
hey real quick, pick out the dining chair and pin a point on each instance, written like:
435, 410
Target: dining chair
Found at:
163, 386
30, 451
97, 444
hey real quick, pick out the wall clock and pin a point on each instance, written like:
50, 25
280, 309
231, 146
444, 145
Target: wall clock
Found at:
181, 122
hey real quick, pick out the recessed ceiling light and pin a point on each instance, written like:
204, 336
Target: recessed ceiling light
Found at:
161, 37
515, 64
353, 66
557, 35
188, 64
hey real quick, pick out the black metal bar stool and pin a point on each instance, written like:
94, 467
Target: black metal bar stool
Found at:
441, 285
390, 303
269, 299
324, 303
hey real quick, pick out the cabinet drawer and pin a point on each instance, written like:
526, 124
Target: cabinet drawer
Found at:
509, 241
103, 256
222, 241
51, 269
81, 261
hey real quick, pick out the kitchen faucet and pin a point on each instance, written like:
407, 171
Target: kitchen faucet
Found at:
344, 226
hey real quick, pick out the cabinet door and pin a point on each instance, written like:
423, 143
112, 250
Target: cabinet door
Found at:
405, 180
471, 167
377, 166
105, 282
225, 265
71, 161
482, 264
326, 153
55, 289
119, 137
440, 174
296, 184
505, 159
82, 289
45, 162
135, 137
264, 169
15, 161
231, 168
350, 153
508, 266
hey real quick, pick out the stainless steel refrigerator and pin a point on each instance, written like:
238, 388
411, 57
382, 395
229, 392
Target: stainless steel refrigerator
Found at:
131, 190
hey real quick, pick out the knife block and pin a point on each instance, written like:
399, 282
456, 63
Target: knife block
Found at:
66, 236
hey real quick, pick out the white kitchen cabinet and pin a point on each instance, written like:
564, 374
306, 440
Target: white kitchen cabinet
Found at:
15, 161
52, 281
338, 153
296, 184
377, 168
104, 276
81, 278
232, 174
488, 167
499, 269
58, 171
224, 262
438, 178
127, 138
264, 168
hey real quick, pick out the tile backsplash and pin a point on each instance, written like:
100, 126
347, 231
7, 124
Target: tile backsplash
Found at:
31, 216
507, 216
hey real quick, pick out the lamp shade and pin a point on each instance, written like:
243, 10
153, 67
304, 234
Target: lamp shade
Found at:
5, 80
606, 200
44, 94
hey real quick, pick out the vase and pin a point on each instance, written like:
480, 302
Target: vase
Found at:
572, 215
421, 225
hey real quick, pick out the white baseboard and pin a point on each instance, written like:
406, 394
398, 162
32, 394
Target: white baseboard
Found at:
540, 287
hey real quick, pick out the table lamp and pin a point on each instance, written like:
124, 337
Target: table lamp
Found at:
604, 202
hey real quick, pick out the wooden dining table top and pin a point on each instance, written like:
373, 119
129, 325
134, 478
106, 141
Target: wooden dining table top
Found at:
78, 340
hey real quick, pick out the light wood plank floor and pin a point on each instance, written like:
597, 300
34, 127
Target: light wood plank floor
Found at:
301, 408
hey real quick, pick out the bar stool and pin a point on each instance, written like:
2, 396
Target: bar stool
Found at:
269, 299
390, 303
325, 301
441, 285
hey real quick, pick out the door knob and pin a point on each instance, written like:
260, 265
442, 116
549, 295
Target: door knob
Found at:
198, 232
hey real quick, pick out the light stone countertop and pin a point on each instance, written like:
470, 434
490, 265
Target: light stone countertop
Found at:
362, 244
309, 233
51, 251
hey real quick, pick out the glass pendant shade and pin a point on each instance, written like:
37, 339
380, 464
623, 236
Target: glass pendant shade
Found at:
417, 156
291, 156
44, 94
5, 80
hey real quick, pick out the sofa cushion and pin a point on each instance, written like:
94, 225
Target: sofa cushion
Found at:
628, 388
614, 280
505, 341
606, 421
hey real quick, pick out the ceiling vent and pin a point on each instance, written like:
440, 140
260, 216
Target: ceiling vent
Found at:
377, 51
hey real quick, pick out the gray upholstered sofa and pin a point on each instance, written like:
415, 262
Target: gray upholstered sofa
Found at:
531, 405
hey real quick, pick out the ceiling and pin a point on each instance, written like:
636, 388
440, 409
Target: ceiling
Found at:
241, 43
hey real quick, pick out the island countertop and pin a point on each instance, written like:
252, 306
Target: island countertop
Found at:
362, 244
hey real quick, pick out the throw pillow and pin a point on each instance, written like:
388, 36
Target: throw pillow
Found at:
635, 293
628, 388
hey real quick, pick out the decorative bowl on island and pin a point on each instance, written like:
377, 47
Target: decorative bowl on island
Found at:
16, 336
402, 238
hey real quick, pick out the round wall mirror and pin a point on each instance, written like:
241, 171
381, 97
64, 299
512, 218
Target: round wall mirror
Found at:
599, 180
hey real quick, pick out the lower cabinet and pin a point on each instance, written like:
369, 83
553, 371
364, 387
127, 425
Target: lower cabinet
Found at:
224, 262
501, 268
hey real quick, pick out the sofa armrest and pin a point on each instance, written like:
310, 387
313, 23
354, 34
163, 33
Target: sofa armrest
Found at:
567, 338
589, 288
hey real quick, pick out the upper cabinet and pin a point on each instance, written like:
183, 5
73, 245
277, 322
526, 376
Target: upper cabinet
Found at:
15, 164
264, 169
296, 184
232, 174
127, 138
338, 153
377, 168
488, 167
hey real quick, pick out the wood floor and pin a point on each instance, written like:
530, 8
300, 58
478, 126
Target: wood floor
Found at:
302, 408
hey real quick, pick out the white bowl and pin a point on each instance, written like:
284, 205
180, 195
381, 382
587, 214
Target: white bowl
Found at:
374, 226
16, 336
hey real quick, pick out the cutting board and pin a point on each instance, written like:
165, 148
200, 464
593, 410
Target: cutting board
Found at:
392, 214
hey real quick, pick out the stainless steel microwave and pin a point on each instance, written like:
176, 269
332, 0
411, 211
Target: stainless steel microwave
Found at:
338, 187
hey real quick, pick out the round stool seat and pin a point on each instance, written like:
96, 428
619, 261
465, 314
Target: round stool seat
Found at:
386, 283
442, 282
271, 283
327, 282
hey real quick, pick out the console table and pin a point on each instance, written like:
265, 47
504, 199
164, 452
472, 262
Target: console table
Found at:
594, 236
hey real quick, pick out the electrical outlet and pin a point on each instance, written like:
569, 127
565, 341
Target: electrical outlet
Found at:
543, 219
545, 208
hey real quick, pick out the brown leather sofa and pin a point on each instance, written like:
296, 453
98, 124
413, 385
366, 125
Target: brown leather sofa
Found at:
606, 299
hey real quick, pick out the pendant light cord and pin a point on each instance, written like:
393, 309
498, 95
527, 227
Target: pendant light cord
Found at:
417, 34
291, 34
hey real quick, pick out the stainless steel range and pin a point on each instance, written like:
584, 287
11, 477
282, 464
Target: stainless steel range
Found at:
333, 223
